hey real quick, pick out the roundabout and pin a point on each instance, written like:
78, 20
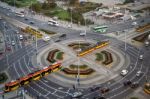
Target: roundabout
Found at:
61, 85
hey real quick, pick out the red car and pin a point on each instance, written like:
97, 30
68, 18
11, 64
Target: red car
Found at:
104, 90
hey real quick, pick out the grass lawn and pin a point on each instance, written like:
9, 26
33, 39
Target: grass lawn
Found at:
99, 57
20, 3
59, 55
72, 66
47, 31
58, 12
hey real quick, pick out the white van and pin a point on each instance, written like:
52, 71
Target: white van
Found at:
19, 14
53, 22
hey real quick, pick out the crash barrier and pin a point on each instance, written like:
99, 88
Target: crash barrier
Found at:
143, 28
75, 72
32, 31
108, 58
97, 46
51, 55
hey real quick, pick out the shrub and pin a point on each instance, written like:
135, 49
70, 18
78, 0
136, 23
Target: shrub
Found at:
3, 77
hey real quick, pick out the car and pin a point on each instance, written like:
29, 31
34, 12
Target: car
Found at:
99, 97
83, 34
141, 57
21, 37
26, 19
17, 31
31, 22
57, 40
76, 94
63, 35
124, 72
13, 43
104, 90
0, 18
138, 73
127, 83
8, 48
146, 43
134, 85
134, 23
94, 88
142, 21
46, 38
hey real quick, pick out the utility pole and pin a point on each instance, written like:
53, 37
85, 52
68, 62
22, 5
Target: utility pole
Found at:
78, 76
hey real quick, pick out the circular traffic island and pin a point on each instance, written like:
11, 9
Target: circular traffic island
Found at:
88, 61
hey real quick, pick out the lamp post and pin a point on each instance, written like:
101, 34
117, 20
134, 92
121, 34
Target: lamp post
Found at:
71, 16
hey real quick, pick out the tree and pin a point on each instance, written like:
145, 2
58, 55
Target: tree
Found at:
128, 1
36, 7
72, 2
134, 98
50, 1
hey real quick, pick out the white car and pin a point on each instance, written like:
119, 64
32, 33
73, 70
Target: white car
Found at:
83, 34
0, 17
76, 94
13, 43
134, 23
141, 57
17, 31
124, 72
21, 37
147, 43
46, 38
138, 73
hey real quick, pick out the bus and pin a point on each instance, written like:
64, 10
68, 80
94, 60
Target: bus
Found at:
101, 29
53, 22
147, 88
13, 85
19, 14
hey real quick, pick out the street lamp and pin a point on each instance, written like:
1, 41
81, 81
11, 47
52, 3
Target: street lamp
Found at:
71, 16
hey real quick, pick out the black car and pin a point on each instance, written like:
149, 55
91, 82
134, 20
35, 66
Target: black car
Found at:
26, 19
31, 22
94, 88
58, 40
99, 97
127, 83
63, 35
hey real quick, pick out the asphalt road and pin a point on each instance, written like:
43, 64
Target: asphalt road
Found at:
19, 62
